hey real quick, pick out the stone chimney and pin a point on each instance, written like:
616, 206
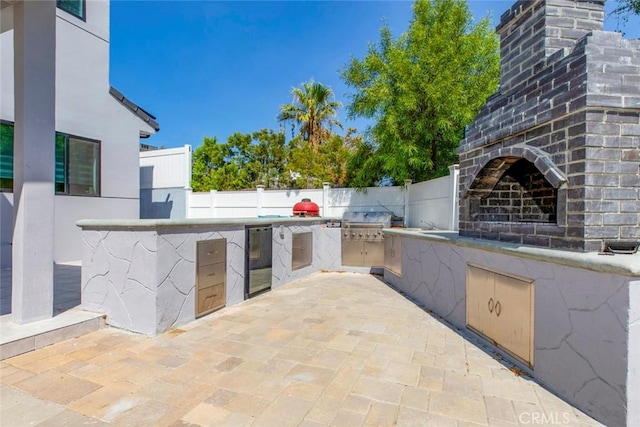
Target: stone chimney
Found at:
553, 158
531, 31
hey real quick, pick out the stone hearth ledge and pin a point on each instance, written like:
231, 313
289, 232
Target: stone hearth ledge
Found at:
626, 265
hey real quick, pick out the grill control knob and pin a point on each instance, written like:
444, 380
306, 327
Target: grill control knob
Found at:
353, 233
360, 234
346, 234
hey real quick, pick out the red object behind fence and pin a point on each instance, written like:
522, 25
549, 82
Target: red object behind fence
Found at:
306, 208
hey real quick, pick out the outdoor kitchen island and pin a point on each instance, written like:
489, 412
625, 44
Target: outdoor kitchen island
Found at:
569, 319
149, 276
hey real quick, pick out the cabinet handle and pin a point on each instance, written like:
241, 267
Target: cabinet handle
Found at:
393, 253
498, 308
490, 305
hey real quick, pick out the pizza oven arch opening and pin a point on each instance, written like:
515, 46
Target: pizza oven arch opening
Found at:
512, 189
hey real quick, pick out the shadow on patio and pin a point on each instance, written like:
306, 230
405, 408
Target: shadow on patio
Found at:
66, 291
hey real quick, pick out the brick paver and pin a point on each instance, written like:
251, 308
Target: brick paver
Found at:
331, 349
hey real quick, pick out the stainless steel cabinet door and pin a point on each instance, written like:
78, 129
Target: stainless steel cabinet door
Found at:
514, 316
481, 301
374, 253
302, 250
352, 253
501, 307
393, 254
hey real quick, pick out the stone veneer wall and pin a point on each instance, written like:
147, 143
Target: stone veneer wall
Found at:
144, 279
522, 195
587, 323
530, 31
573, 111
326, 252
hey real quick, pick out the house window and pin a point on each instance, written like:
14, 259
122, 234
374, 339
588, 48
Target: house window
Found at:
83, 167
77, 168
74, 7
6, 157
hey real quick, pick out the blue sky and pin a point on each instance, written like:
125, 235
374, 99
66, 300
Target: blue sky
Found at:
211, 68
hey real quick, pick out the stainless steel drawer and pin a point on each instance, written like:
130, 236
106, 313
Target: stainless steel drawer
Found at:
210, 299
212, 251
212, 274
211, 271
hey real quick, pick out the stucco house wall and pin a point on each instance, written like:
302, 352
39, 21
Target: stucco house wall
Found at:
85, 108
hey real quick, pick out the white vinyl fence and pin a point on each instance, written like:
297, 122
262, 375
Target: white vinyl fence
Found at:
430, 204
434, 204
164, 177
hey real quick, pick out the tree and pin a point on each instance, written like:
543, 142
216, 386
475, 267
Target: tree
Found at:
313, 111
626, 7
336, 155
271, 153
331, 162
305, 165
422, 89
245, 161
207, 159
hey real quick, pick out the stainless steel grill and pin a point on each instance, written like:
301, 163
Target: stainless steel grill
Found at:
362, 238
366, 219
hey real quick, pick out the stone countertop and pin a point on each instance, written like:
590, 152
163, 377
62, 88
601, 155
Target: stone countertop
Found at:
140, 224
626, 265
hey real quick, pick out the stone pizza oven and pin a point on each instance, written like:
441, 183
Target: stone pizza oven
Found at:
553, 158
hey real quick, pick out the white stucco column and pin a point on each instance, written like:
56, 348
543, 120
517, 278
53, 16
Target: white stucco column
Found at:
34, 159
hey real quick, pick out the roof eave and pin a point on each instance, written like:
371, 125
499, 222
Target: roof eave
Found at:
142, 114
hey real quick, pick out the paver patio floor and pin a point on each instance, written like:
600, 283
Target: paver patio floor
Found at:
330, 349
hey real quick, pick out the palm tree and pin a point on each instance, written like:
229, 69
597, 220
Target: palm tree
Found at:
313, 111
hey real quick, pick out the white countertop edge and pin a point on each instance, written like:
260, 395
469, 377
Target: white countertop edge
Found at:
135, 224
626, 265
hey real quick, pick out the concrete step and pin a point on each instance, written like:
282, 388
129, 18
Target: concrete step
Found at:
16, 339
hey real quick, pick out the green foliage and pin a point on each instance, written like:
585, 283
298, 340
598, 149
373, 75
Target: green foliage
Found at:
330, 162
245, 161
305, 167
264, 158
422, 89
313, 111
626, 7
623, 9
